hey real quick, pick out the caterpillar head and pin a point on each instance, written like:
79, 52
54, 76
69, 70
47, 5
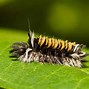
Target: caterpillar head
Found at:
18, 49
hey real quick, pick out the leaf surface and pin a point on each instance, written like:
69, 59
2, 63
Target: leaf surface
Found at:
19, 75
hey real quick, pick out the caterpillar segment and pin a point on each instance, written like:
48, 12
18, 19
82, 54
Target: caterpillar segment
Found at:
52, 42
56, 43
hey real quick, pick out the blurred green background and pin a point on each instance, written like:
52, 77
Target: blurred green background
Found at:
64, 19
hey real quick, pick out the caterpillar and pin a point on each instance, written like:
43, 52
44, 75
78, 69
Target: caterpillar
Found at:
45, 49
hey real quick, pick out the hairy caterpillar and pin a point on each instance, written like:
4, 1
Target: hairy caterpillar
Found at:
44, 49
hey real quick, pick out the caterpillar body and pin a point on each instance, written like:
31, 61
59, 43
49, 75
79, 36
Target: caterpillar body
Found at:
44, 49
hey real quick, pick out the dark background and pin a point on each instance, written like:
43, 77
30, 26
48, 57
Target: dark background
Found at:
64, 19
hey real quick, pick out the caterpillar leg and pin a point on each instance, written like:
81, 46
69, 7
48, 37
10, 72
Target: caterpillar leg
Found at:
25, 57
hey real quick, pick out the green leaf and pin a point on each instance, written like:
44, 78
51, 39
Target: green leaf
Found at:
19, 75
